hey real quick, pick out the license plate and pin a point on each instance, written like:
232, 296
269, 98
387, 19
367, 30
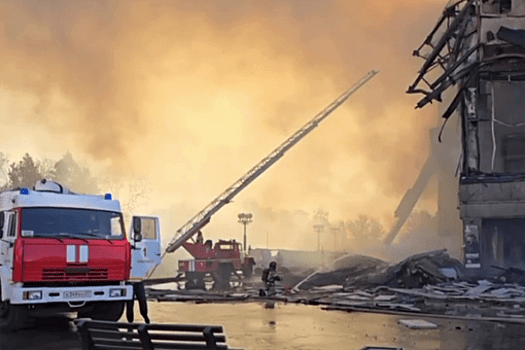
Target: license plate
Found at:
77, 294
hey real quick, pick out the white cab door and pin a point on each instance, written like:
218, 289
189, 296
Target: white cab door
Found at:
146, 253
8, 238
7, 243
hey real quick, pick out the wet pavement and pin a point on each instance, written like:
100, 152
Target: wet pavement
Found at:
287, 326
49, 333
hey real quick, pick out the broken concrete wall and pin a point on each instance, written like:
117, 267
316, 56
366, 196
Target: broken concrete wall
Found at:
492, 190
480, 48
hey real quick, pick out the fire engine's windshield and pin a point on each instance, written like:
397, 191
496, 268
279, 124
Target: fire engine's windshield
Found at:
71, 223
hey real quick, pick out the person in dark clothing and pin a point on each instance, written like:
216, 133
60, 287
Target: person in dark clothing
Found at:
139, 293
269, 277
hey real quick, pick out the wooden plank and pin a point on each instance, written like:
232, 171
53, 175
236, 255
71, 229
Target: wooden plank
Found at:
152, 326
111, 334
182, 327
113, 347
130, 344
185, 346
184, 337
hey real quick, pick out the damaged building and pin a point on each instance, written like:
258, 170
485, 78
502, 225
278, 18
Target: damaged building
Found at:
474, 62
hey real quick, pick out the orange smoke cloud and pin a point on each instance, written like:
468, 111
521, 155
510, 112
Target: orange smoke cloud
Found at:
192, 94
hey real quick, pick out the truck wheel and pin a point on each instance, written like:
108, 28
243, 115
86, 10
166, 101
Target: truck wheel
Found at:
247, 271
225, 271
108, 311
12, 317
195, 280
222, 277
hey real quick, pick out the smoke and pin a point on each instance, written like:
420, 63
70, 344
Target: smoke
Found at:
192, 94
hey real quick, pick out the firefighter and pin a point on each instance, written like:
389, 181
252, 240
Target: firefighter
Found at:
269, 277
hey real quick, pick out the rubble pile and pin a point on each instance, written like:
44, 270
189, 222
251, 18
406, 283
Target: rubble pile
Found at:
483, 291
413, 272
350, 266
428, 283
477, 300
510, 275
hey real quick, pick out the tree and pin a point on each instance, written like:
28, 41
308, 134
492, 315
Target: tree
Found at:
132, 192
4, 164
366, 231
47, 168
24, 174
78, 179
138, 194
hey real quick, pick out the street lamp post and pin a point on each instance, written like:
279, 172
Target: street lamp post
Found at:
335, 232
318, 229
245, 219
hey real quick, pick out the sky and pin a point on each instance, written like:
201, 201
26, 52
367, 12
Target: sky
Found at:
189, 95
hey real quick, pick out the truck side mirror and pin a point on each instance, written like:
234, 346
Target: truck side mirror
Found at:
137, 236
2, 219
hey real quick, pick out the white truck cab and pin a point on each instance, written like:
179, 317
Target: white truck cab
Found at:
62, 251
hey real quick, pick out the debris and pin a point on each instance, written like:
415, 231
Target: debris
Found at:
417, 324
347, 267
401, 307
330, 288
479, 289
385, 298
500, 291
413, 272
449, 272
364, 294
511, 274
503, 314
357, 297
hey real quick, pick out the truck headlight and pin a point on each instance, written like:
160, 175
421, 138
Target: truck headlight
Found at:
33, 295
117, 292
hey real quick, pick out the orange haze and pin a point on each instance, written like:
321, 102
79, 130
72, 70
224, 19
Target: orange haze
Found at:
191, 94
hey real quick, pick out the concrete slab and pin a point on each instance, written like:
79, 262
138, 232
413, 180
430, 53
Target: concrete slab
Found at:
417, 324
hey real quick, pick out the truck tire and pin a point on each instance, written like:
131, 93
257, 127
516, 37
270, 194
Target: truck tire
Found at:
247, 271
222, 277
195, 280
104, 311
12, 317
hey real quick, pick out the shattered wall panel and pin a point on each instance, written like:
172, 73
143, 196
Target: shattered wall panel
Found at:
502, 135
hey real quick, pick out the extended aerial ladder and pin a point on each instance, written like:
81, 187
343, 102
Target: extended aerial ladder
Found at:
197, 222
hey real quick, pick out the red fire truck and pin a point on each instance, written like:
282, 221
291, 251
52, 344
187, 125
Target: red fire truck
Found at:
220, 261
67, 252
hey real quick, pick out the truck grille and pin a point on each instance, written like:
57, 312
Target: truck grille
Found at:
62, 275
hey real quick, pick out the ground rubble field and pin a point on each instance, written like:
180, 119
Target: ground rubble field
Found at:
430, 283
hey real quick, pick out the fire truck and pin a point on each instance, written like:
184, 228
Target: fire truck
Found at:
220, 261
67, 252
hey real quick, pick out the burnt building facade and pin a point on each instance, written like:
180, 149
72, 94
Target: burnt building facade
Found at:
477, 53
